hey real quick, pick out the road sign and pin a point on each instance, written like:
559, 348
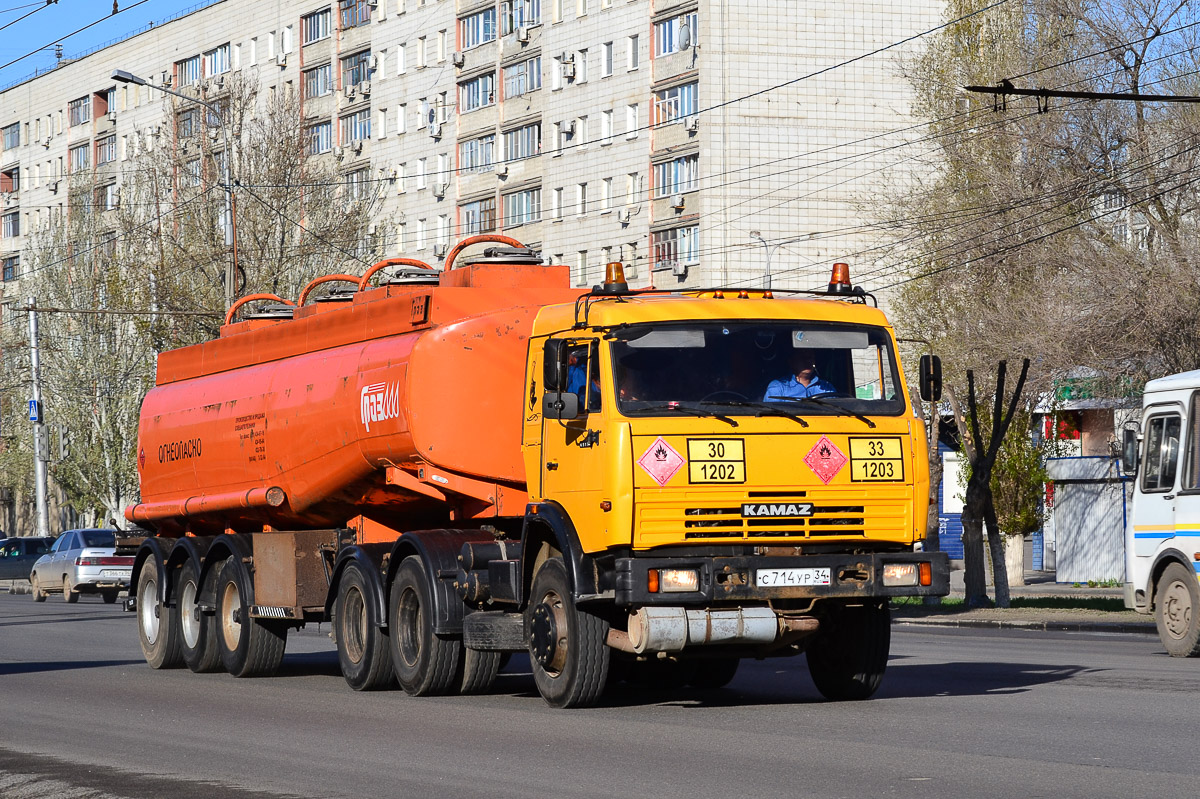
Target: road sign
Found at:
35, 412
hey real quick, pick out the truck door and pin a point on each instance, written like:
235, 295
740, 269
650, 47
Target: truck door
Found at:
1154, 520
573, 450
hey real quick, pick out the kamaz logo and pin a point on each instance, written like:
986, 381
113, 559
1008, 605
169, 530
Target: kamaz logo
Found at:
777, 511
379, 401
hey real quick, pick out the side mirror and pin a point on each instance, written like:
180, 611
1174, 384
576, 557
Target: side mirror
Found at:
931, 378
560, 405
1129, 451
554, 365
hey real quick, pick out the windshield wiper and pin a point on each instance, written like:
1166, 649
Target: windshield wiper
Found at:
693, 412
764, 409
825, 404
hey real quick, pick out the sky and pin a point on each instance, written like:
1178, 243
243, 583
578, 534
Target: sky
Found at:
49, 22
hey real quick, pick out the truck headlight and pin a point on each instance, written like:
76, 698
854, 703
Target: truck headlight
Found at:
899, 574
673, 581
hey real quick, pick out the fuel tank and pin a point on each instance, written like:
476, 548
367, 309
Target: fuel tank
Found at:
395, 403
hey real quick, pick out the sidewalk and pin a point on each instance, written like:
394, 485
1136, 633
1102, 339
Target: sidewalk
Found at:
1039, 585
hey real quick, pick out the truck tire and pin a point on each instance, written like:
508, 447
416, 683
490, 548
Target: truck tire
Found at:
362, 645
197, 630
109, 596
249, 647
38, 594
479, 670
158, 632
1177, 611
848, 657
70, 595
567, 648
425, 663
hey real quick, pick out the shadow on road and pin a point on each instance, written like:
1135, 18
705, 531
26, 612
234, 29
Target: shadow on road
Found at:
971, 679
33, 667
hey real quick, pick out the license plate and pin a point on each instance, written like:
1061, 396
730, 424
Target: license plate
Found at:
775, 578
125, 573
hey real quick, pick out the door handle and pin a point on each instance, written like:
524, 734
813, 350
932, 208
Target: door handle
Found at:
1168, 496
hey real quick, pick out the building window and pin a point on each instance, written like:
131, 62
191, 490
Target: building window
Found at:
190, 175
478, 217
676, 176
522, 207
355, 68
10, 224
672, 105
77, 158
523, 142
12, 267
79, 111
581, 67
676, 246
110, 196
633, 187
188, 70
581, 267
477, 93
315, 26
520, 14
606, 195
12, 135
216, 61
106, 150
320, 138
354, 12
356, 126
633, 55
606, 60
477, 29
10, 179
667, 37
188, 123
318, 81
581, 199
357, 184
523, 78
632, 121
477, 155
606, 127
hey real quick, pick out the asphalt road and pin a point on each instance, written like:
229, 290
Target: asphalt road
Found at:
962, 713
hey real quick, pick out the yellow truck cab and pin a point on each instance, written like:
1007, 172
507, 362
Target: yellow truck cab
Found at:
742, 474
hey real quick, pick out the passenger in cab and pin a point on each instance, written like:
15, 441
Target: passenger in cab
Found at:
803, 382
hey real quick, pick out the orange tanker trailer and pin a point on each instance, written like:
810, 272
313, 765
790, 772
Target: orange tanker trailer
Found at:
454, 465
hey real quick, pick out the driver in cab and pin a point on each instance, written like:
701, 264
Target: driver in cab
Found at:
803, 382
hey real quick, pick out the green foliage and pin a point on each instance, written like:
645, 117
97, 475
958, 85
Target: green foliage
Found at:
1018, 479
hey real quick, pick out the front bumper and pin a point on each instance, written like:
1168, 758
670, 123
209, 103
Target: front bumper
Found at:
733, 579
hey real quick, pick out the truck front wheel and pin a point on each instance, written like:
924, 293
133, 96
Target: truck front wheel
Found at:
426, 664
848, 657
567, 646
249, 647
362, 645
1177, 611
158, 631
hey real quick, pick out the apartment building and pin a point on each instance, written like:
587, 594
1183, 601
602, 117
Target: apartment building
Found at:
680, 137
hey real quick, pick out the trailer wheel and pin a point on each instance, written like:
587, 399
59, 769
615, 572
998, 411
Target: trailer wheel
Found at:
362, 645
567, 648
479, 670
848, 657
249, 647
1177, 611
425, 663
158, 632
197, 630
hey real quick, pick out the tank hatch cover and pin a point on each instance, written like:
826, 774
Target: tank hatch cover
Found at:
337, 295
412, 276
506, 255
275, 310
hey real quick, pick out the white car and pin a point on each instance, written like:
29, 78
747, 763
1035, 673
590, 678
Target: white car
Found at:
82, 562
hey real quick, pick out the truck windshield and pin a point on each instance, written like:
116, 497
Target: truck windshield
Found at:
755, 369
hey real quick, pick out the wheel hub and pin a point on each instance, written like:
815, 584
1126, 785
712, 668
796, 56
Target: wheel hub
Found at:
1177, 611
547, 636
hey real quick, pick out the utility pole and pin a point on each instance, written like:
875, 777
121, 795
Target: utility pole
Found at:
40, 441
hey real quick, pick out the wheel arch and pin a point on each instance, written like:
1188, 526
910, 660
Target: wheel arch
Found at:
1161, 562
222, 548
548, 524
438, 551
160, 549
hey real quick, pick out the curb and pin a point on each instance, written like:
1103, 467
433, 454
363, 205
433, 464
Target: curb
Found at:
16, 587
1135, 628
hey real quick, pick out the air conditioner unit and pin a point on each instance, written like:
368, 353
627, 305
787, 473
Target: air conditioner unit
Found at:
568, 71
435, 130
679, 270
439, 250
374, 61
459, 58
567, 58
350, 91
281, 58
112, 116
501, 170
53, 186
439, 189
365, 87
167, 80
623, 215
356, 146
522, 34
339, 153
692, 124
568, 127
677, 202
